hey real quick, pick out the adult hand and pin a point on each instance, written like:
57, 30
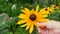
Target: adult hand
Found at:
51, 27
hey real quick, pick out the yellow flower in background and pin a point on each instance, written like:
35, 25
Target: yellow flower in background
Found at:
45, 11
30, 18
48, 10
53, 7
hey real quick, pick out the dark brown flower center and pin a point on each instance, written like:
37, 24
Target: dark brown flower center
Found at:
32, 17
49, 11
46, 9
54, 6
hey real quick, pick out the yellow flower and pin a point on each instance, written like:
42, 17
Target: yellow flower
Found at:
53, 7
45, 11
30, 18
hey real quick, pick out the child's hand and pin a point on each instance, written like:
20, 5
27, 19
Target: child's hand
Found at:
52, 27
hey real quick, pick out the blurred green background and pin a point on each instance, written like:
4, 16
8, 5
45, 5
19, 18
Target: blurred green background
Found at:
10, 9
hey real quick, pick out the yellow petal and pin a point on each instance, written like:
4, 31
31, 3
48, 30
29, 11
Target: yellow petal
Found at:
23, 25
31, 29
37, 8
44, 15
32, 11
22, 16
26, 11
50, 9
28, 26
47, 12
43, 20
21, 21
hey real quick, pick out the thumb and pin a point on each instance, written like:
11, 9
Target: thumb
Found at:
48, 24
41, 25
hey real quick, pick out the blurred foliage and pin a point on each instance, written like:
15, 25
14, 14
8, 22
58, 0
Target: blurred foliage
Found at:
10, 9
54, 15
6, 5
